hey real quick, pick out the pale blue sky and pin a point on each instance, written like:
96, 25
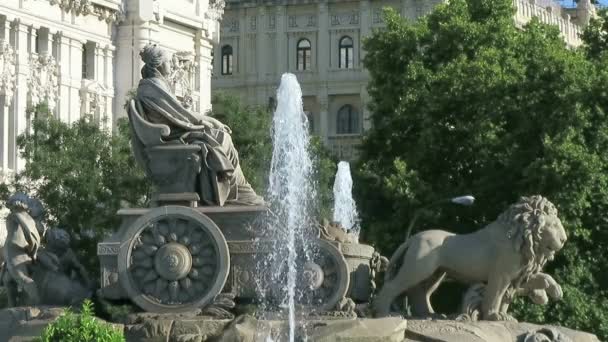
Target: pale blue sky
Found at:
571, 3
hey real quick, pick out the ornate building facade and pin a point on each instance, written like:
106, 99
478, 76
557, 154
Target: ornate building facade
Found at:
82, 57
320, 42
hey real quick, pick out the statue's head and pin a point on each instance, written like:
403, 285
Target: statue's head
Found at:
18, 202
535, 229
58, 239
157, 61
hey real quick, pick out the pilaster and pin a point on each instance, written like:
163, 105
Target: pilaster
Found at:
324, 47
19, 122
281, 40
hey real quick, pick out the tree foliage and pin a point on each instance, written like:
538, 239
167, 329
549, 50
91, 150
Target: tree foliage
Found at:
463, 102
83, 174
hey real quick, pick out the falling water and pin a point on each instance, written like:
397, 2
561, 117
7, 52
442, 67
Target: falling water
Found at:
291, 191
345, 209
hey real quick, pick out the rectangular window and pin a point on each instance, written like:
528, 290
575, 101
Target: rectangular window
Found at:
88, 61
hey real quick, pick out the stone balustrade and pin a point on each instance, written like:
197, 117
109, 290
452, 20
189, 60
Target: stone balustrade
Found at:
344, 146
527, 9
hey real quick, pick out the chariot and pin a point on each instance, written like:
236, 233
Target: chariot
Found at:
176, 256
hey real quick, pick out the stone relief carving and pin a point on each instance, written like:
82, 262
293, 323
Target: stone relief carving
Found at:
78, 7
182, 77
351, 18
216, 10
158, 10
253, 22
93, 98
86, 7
43, 81
7, 71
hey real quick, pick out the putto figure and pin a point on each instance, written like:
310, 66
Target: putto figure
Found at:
508, 255
160, 106
24, 236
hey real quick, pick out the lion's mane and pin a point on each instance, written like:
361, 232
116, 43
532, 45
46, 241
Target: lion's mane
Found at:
525, 221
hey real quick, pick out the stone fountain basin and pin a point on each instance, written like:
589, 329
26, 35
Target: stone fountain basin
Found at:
24, 324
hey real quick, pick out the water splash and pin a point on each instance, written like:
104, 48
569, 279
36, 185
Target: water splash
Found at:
291, 193
345, 208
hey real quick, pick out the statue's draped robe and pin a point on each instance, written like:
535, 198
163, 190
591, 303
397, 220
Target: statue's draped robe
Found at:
22, 242
221, 179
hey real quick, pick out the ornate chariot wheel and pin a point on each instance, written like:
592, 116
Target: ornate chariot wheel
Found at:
326, 276
174, 259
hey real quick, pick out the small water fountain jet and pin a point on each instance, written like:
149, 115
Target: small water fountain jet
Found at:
345, 209
290, 193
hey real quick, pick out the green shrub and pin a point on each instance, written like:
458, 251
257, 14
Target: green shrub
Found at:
82, 327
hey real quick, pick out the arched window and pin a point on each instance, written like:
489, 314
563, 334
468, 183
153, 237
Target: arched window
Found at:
226, 60
303, 57
346, 53
347, 121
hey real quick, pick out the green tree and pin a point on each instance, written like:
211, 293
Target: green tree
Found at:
83, 174
464, 102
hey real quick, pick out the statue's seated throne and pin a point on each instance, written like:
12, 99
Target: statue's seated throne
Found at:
172, 165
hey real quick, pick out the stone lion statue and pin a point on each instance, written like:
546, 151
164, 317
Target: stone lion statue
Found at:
507, 255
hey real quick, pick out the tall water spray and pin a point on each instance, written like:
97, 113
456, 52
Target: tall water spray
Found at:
291, 191
345, 208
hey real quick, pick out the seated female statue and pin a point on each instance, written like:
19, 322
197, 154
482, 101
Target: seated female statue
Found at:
161, 106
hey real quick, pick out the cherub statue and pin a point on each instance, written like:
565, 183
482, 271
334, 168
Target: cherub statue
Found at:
24, 232
57, 256
64, 280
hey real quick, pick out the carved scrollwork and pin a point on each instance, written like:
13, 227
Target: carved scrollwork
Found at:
86, 7
43, 81
7, 71
216, 10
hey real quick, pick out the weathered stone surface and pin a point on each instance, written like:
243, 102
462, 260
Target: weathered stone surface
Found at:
485, 331
26, 323
361, 330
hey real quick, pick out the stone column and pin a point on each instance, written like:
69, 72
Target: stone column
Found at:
63, 59
20, 101
75, 79
260, 47
323, 101
281, 40
365, 114
202, 82
5, 105
366, 28
324, 47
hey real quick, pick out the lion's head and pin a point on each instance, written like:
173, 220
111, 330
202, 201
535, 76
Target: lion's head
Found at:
535, 230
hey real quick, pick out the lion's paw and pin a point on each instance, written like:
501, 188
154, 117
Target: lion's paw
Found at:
500, 316
555, 291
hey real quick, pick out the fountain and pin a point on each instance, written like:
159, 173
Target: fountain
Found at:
217, 271
345, 208
290, 192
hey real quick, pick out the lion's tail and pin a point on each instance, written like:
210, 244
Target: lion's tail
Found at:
396, 260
